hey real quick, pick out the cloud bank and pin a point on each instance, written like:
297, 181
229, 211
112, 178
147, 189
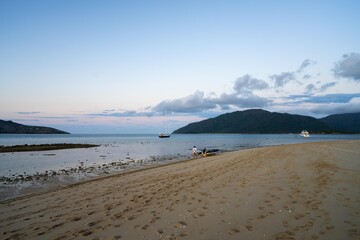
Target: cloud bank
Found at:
248, 92
242, 97
353, 106
28, 113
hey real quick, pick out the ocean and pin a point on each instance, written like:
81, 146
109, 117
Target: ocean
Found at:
117, 153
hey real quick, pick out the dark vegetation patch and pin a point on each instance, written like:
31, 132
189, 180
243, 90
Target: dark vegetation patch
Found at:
44, 147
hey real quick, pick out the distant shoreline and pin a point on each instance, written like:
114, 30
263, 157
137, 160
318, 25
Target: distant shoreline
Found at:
295, 133
44, 147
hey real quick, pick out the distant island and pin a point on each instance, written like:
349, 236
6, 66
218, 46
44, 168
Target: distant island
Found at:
264, 122
10, 127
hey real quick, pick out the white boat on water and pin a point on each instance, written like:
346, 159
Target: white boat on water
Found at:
305, 133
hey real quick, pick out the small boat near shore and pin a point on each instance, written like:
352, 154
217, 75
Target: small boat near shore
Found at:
304, 133
164, 135
208, 153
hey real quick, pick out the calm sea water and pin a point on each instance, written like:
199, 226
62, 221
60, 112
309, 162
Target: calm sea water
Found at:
134, 151
115, 148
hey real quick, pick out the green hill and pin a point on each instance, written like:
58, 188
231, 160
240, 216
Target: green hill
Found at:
16, 128
347, 122
257, 121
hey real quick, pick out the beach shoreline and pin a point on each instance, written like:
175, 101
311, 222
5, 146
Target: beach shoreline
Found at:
296, 191
23, 185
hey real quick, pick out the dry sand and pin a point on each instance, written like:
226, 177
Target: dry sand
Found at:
300, 191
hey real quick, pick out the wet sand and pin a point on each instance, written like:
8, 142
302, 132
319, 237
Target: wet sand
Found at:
300, 191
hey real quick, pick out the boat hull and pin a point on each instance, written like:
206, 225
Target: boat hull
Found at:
164, 136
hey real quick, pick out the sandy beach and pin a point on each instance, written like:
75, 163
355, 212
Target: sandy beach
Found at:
299, 191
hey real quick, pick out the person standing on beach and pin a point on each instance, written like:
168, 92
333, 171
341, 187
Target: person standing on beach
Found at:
194, 152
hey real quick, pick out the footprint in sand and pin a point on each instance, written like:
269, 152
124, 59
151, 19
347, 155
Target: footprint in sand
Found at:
299, 216
75, 219
233, 231
57, 225
314, 206
145, 227
117, 216
91, 224
183, 224
249, 227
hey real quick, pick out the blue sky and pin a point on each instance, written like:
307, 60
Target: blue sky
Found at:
131, 66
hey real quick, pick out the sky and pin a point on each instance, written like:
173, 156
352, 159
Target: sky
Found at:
134, 66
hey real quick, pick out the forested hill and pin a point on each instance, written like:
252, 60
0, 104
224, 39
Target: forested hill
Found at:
16, 128
260, 121
347, 122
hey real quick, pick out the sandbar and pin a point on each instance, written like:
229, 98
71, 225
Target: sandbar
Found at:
44, 147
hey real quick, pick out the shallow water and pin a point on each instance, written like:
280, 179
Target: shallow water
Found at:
119, 153
116, 148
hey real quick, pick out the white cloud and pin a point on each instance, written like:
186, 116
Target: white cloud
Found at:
311, 88
196, 102
348, 67
324, 87
304, 64
285, 77
247, 83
